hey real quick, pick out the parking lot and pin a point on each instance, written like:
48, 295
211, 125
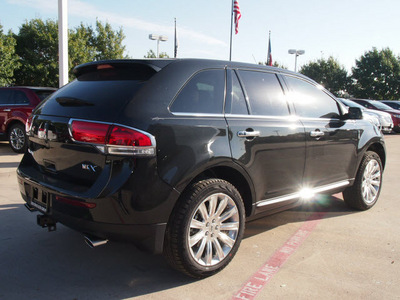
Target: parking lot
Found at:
339, 253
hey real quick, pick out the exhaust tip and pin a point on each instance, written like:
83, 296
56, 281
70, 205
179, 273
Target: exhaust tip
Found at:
94, 241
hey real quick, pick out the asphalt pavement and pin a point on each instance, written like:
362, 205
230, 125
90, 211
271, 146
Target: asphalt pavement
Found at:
337, 254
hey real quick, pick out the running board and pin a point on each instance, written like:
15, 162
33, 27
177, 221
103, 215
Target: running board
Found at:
301, 194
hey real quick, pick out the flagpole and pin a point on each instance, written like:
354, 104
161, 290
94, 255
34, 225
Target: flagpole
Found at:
230, 48
175, 43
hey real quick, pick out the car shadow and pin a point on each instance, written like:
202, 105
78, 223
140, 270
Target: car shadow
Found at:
331, 206
60, 265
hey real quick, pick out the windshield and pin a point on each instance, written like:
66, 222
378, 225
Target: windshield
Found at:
350, 103
380, 105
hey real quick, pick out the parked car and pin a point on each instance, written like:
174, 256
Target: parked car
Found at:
16, 104
392, 103
377, 105
175, 155
384, 118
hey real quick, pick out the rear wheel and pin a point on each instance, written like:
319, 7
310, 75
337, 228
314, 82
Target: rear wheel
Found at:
205, 229
17, 138
367, 186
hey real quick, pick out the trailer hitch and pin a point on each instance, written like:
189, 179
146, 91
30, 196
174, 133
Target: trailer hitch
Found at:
45, 221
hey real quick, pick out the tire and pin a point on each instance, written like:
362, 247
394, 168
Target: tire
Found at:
205, 229
17, 138
368, 183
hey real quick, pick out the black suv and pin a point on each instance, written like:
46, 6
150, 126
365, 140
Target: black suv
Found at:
175, 155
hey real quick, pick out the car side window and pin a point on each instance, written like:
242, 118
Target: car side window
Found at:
5, 97
239, 106
19, 97
204, 93
265, 94
310, 101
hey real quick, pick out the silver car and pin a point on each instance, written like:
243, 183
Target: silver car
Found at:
384, 118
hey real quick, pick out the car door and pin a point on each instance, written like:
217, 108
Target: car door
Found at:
331, 141
5, 108
264, 139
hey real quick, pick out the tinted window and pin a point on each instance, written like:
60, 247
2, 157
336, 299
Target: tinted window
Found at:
310, 101
19, 97
43, 94
239, 105
204, 93
5, 97
265, 93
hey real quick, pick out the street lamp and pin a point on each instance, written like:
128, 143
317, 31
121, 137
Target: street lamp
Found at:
296, 53
158, 38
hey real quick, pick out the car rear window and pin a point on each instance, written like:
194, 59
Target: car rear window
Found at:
43, 94
97, 93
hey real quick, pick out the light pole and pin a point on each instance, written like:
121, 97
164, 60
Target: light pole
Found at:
296, 53
158, 38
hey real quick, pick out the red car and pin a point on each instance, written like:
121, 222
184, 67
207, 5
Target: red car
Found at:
377, 105
16, 105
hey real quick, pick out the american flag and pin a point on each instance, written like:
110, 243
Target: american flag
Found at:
237, 15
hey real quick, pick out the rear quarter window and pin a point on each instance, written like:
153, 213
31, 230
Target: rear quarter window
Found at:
203, 93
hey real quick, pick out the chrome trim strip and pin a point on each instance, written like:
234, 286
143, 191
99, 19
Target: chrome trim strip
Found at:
298, 194
182, 114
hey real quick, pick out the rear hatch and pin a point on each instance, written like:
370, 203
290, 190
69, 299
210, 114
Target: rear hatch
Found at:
98, 95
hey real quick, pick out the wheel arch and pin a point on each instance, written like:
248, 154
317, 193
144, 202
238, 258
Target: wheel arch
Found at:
379, 149
11, 123
232, 175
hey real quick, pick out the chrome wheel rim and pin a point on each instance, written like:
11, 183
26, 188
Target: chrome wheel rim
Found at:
371, 181
17, 138
214, 228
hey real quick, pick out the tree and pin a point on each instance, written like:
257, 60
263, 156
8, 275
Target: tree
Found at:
328, 73
151, 54
37, 47
275, 64
107, 42
377, 75
8, 58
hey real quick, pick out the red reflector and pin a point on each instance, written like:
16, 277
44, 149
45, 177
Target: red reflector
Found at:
122, 136
89, 132
76, 202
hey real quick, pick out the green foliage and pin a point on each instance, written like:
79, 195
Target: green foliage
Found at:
377, 75
8, 58
151, 54
275, 64
108, 43
37, 47
328, 73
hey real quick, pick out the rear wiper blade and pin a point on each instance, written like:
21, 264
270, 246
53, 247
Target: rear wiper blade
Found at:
70, 101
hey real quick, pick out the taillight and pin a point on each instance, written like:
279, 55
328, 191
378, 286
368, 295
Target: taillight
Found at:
113, 139
127, 137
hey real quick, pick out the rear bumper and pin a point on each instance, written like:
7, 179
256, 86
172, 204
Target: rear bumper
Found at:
148, 237
126, 215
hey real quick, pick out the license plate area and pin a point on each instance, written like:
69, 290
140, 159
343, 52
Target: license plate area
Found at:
39, 199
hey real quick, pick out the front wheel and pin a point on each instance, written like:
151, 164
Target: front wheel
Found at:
17, 138
205, 229
367, 186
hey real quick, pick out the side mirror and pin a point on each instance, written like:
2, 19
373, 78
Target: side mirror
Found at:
355, 113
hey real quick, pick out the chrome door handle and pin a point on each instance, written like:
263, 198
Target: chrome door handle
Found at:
316, 133
7, 109
246, 134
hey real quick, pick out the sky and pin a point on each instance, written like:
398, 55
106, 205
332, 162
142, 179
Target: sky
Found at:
344, 29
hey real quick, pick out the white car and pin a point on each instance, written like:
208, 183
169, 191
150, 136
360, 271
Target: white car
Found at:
384, 118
